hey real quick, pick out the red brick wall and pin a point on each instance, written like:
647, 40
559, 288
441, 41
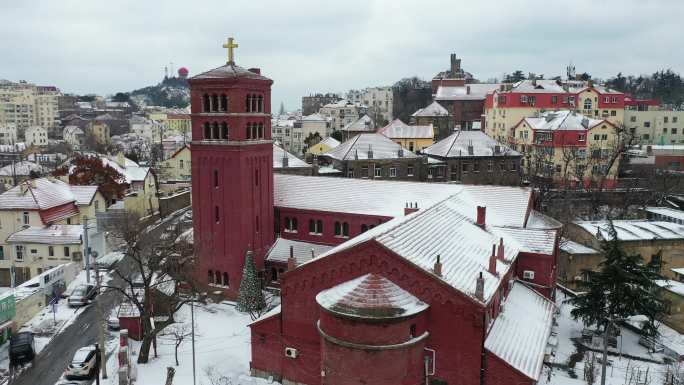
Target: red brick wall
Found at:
500, 373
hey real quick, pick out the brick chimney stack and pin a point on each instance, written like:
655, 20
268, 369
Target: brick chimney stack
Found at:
481, 216
410, 208
479, 287
437, 268
492, 261
500, 251
291, 261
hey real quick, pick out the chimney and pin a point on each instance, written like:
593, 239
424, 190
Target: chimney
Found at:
590, 83
481, 216
400, 152
410, 208
437, 268
479, 287
255, 71
502, 87
500, 251
312, 253
467, 90
492, 261
370, 152
291, 261
286, 161
356, 154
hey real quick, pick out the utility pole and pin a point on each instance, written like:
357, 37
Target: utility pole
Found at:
100, 317
87, 248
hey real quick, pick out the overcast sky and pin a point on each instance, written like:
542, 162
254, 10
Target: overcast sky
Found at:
85, 46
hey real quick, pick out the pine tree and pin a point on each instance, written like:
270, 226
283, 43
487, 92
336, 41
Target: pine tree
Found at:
624, 286
250, 298
282, 109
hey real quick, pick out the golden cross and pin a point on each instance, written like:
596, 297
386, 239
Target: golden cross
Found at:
230, 45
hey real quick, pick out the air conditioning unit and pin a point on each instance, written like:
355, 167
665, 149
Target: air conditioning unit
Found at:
528, 274
291, 352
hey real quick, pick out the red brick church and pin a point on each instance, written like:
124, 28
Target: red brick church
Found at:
381, 282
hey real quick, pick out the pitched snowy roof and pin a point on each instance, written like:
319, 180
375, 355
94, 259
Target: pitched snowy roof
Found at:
330, 142
132, 172
83, 194
666, 212
572, 247
457, 145
370, 296
434, 109
72, 130
397, 129
538, 86
506, 206
22, 168
315, 117
47, 193
520, 332
50, 235
536, 241
229, 71
358, 147
362, 124
478, 91
280, 251
670, 285
635, 230
292, 161
538, 220
562, 120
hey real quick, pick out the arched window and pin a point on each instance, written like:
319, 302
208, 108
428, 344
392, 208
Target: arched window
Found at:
274, 274
260, 104
338, 229
345, 229
587, 104
207, 131
217, 278
294, 224
312, 226
248, 103
206, 104
253, 105
214, 103
260, 134
224, 131
248, 134
211, 276
319, 226
223, 106
215, 131
226, 282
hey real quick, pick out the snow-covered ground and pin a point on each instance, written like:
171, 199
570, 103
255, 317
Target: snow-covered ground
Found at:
622, 370
222, 347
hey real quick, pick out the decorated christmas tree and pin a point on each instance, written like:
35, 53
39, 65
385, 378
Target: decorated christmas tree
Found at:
250, 298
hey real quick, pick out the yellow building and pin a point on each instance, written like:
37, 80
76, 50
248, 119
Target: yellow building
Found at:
323, 146
100, 132
413, 138
178, 166
179, 123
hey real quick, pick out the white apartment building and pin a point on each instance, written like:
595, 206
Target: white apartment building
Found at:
36, 136
8, 133
342, 113
379, 101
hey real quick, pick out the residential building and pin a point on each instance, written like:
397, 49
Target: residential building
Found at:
312, 104
323, 146
379, 100
17, 172
437, 116
415, 138
74, 136
24, 105
644, 160
288, 133
342, 113
508, 105
41, 225
568, 148
36, 136
474, 158
362, 125
286, 163
465, 103
8, 133
315, 123
651, 123
100, 132
374, 156
178, 167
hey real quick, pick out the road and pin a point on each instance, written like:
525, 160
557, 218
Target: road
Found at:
50, 364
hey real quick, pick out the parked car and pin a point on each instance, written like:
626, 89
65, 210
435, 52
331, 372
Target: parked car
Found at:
83, 365
22, 348
82, 295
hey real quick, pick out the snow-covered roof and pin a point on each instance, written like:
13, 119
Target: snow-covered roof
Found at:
457, 145
73, 130
478, 91
670, 285
562, 120
292, 161
538, 220
132, 172
536, 241
315, 117
666, 212
370, 296
280, 251
538, 86
362, 124
50, 235
434, 109
635, 230
397, 129
330, 142
22, 168
229, 71
572, 247
83, 194
506, 206
12, 148
343, 103
358, 147
37, 194
520, 332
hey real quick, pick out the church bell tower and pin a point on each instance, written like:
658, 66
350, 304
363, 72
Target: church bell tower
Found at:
232, 170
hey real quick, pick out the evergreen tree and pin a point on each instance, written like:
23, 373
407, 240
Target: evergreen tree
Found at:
281, 112
624, 286
250, 298
516, 76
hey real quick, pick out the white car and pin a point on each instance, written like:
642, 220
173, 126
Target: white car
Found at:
83, 365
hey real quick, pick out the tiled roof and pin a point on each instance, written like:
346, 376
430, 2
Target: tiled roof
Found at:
292, 161
362, 124
635, 230
58, 213
400, 130
457, 145
562, 120
478, 91
520, 332
229, 71
370, 296
50, 235
434, 109
358, 148
280, 251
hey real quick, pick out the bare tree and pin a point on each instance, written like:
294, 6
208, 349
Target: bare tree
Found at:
177, 333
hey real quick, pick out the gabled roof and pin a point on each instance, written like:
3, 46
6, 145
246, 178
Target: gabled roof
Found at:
179, 151
72, 130
457, 145
537, 241
478, 91
562, 120
572, 247
315, 117
397, 129
229, 71
666, 211
47, 193
280, 251
359, 146
634, 230
330, 142
50, 235
292, 161
434, 109
362, 124
538, 86
520, 332
84, 194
